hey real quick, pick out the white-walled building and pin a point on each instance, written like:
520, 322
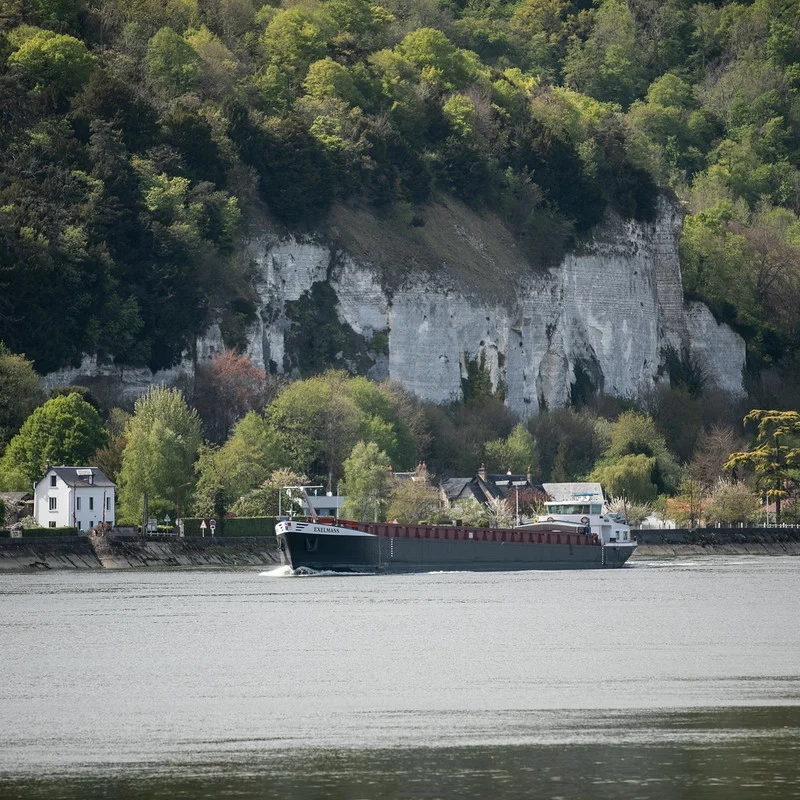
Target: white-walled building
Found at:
74, 497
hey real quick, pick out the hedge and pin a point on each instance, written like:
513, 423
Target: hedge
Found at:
41, 533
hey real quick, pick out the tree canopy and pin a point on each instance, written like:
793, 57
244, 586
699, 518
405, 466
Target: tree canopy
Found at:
162, 438
64, 431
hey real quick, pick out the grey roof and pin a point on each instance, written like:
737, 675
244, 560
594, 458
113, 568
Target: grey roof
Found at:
79, 476
453, 487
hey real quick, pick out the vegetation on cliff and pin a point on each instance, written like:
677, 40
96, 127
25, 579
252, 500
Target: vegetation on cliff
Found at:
135, 136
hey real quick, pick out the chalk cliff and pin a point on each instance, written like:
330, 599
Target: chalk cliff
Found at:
418, 305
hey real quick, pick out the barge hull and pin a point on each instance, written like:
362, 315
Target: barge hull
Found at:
367, 553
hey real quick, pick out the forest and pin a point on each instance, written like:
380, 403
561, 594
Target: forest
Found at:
141, 140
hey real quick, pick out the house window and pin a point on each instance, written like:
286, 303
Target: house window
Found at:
77, 504
53, 480
80, 525
91, 504
91, 523
51, 524
53, 503
108, 504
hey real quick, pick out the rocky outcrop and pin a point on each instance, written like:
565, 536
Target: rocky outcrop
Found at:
419, 310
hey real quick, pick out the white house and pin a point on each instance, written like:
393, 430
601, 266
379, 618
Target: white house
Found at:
74, 497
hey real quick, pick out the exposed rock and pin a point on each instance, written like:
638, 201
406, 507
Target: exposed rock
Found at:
604, 317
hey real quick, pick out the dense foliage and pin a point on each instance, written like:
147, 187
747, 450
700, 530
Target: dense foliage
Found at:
66, 430
134, 135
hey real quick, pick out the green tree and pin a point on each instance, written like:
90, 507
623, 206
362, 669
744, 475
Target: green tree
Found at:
775, 457
637, 453
242, 464
609, 64
65, 430
163, 437
317, 423
263, 500
438, 60
516, 452
20, 393
632, 476
293, 40
366, 480
53, 63
327, 78
172, 63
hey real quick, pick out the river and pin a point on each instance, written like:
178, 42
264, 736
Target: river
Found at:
665, 679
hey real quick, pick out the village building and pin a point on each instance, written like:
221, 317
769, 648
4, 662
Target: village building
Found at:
74, 497
486, 487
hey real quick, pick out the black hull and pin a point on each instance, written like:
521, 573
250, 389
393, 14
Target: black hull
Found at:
348, 553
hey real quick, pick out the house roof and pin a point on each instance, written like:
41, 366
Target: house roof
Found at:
453, 487
482, 488
79, 476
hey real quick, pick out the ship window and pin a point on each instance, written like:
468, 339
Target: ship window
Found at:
596, 509
569, 508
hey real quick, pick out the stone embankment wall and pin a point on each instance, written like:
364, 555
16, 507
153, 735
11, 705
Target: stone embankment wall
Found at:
102, 552
63, 552
717, 541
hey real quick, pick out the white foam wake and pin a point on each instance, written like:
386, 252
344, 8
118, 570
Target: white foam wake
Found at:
283, 571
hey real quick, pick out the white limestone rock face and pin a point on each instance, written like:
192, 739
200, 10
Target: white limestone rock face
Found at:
603, 318
605, 315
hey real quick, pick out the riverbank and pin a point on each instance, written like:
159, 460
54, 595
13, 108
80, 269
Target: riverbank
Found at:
717, 541
110, 552
116, 552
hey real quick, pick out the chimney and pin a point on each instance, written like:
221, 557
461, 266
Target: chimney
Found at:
528, 475
482, 472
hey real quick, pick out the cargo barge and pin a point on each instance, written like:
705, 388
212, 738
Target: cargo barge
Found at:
573, 535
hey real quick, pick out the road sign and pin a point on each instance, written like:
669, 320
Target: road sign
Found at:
212, 523
203, 525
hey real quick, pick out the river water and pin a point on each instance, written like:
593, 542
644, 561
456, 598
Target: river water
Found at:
665, 679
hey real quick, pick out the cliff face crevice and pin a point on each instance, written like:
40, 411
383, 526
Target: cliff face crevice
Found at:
416, 312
